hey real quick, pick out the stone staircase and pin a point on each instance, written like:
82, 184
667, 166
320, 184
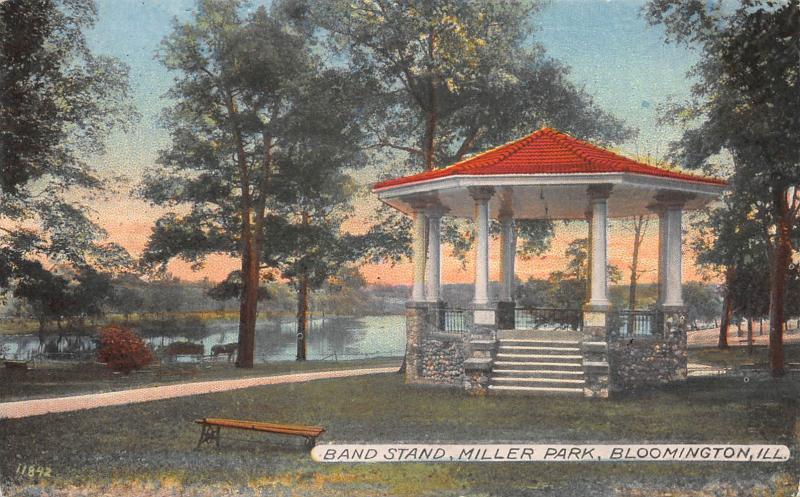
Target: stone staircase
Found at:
543, 366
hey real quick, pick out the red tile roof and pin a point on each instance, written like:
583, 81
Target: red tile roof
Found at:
547, 151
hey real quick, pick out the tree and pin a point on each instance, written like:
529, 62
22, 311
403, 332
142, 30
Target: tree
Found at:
454, 77
746, 104
164, 295
730, 246
127, 295
44, 292
58, 102
64, 294
242, 128
638, 226
313, 189
702, 303
570, 288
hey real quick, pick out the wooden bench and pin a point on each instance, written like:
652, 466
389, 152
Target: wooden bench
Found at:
211, 427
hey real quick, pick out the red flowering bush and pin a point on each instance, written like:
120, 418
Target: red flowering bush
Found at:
123, 350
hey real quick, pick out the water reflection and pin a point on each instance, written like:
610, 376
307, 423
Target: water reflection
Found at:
337, 338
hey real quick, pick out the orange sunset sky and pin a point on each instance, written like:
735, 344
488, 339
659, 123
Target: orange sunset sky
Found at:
129, 221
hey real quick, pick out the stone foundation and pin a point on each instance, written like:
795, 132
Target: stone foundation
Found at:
442, 360
476, 379
432, 357
416, 326
594, 349
647, 361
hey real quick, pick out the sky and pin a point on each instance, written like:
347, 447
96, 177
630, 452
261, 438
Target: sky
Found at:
613, 54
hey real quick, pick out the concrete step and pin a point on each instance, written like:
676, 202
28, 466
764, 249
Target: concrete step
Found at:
548, 365
541, 348
578, 392
550, 357
539, 334
541, 341
539, 373
538, 382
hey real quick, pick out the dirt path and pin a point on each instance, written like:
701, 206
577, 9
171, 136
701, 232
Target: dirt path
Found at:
36, 407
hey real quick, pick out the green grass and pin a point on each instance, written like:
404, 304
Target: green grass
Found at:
737, 356
50, 379
143, 446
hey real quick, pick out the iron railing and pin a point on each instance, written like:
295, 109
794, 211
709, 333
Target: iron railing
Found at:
548, 318
453, 321
626, 323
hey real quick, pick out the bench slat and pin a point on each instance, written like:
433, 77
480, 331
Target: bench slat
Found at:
266, 427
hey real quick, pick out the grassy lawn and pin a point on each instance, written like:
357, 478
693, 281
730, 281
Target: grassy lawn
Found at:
66, 378
738, 356
148, 449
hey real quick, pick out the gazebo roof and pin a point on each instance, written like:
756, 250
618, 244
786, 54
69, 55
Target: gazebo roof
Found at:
546, 151
547, 175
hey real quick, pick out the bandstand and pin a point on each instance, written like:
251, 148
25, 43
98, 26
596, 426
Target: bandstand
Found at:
500, 347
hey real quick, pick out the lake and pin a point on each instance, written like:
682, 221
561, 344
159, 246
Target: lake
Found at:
329, 339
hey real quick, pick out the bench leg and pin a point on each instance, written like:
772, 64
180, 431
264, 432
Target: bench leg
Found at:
209, 434
311, 442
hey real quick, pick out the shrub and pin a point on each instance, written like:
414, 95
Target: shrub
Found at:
123, 350
184, 348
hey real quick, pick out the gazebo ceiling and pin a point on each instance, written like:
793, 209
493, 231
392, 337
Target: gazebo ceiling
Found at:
546, 175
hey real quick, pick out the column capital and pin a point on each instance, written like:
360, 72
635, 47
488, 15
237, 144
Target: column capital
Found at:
435, 211
506, 204
669, 200
599, 192
420, 203
481, 193
505, 215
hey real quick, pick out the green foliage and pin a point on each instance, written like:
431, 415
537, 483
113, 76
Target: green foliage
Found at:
57, 98
570, 287
703, 303
745, 105
64, 294
231, 288
452, 77
58, 102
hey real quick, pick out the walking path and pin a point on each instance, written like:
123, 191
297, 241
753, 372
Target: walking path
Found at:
36, 407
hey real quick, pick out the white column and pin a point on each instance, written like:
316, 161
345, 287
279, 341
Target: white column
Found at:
418, 256
662, 254
433, 278
508, 243
598, 242
481, 197
673, 277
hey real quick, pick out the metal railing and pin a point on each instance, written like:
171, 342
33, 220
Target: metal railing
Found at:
626, 323
453, 321
548, 318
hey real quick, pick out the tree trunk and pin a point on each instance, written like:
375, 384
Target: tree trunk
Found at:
727, 310
777, 292
42, 336
302, 306
248, 307
249, 251
302, 316
749, 336
428, 147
